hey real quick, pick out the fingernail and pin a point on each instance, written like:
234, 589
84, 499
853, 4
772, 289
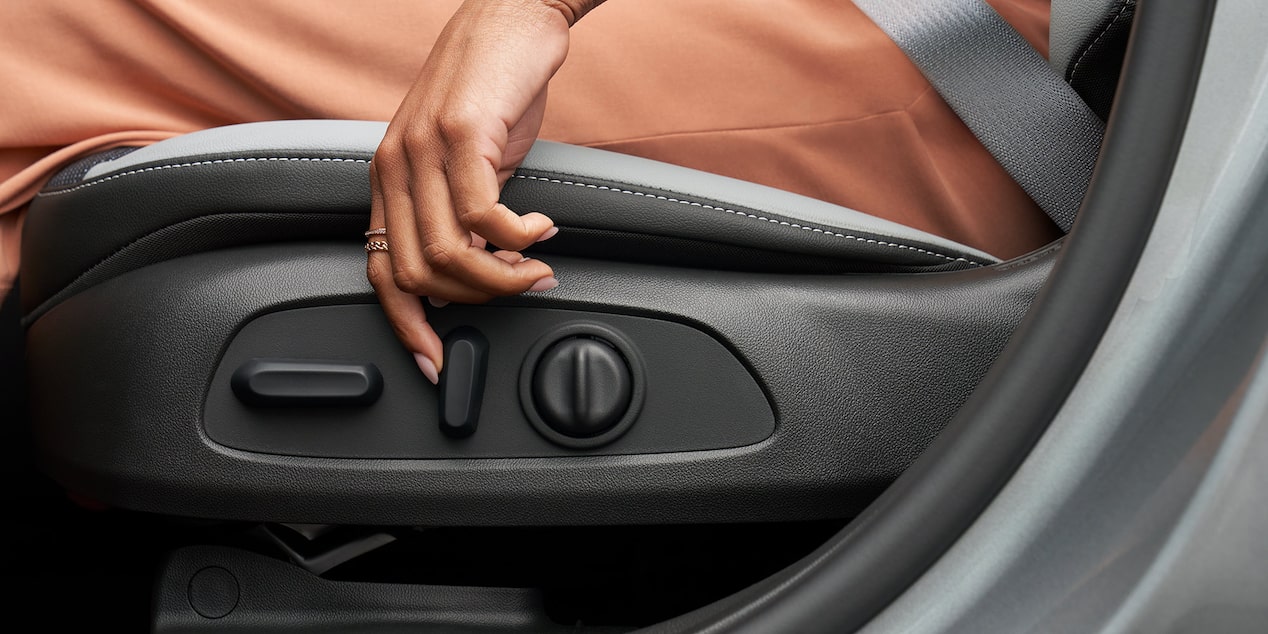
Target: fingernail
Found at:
438, 303
550, 233
428, 368
544, 284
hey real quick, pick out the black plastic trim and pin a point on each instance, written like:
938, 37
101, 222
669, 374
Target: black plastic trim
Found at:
218, 589
845, 583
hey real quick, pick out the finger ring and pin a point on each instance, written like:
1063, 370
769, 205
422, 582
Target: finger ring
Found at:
381, 231
375, 245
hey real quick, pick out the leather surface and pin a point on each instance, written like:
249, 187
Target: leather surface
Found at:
1098, 61
1071, 24
317, 172
301, 136
586, 164
862, 372
547, 159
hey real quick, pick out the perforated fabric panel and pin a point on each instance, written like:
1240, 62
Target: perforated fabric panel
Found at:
76, 171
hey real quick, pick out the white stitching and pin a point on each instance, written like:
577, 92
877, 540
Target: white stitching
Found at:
1075, 68
196, 164
747, 215
521, 176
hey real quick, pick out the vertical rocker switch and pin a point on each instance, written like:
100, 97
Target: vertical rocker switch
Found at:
462, 381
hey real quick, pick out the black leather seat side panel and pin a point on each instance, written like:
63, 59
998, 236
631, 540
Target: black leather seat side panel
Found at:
72, 229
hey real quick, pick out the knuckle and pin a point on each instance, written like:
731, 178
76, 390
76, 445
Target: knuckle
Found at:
390, 148
441, 256
415, 136
475, 213
410, 280
387, 158
380, 276
457, 124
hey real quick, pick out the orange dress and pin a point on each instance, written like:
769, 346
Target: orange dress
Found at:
813, 99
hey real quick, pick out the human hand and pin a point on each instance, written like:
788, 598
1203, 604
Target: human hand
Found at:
463, 128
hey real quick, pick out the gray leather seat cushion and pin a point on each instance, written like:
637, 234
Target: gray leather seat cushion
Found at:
308, 180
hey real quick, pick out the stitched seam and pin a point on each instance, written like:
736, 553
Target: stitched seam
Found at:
747, 215
521, 176
173, 166
59, 296
1074, 69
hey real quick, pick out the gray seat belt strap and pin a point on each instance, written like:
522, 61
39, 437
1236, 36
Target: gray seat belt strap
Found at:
1030, 120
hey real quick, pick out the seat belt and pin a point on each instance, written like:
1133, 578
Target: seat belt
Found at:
1026, 115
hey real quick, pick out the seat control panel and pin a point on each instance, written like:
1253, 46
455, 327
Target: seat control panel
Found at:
516, 382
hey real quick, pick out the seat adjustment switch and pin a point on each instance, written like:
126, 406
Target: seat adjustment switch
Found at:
462, 382
294, 383
582, 387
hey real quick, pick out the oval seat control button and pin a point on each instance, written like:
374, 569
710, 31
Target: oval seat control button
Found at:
297, 383
462, 382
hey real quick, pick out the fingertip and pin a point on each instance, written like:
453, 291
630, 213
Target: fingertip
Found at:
534, 269
538, 223
544, 284
550, 233
428, 368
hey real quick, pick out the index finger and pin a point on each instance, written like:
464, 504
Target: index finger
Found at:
403, 310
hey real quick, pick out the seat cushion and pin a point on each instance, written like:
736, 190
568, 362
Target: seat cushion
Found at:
308, 180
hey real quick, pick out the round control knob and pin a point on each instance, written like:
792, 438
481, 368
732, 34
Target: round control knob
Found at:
582, 387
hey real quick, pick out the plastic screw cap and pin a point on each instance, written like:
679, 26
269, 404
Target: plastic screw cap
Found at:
213, 592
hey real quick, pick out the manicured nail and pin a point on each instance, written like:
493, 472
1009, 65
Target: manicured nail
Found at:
544, 284
438, 303
428, 368
550, 233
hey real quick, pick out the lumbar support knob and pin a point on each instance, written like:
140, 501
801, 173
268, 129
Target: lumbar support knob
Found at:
582, 386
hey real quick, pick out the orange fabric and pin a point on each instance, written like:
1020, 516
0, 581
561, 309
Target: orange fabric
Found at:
810, 97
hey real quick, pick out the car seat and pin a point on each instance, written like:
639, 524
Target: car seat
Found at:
202, 341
